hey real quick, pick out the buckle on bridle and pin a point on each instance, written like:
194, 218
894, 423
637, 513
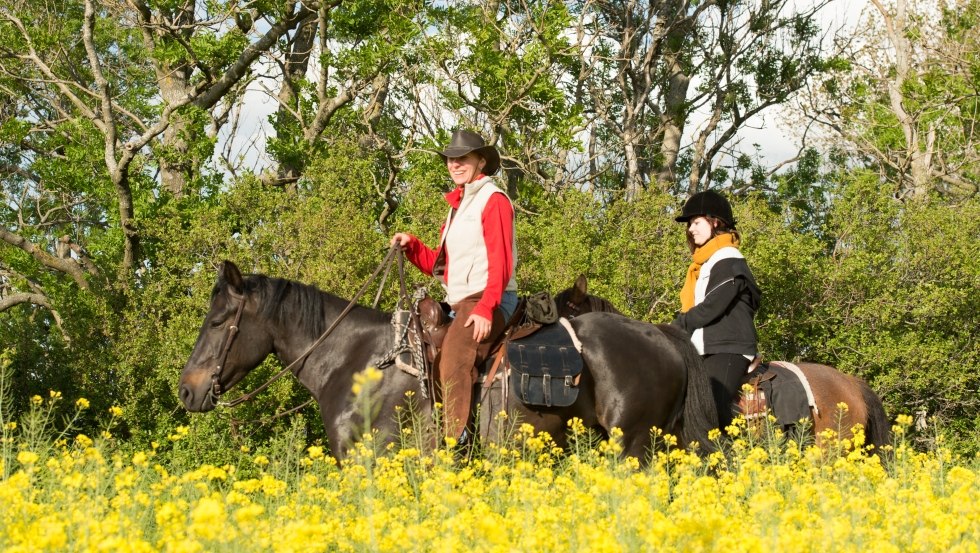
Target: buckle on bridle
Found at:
216, 382
214, 392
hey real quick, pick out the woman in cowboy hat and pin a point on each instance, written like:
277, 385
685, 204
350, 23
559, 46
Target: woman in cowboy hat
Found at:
719, 298
475, 260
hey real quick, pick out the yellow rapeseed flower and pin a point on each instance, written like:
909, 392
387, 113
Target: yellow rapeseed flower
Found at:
81, 403
180, 433
513, 495
208, 518
27, 458
315, 452
576, 426
140, 459
365, 380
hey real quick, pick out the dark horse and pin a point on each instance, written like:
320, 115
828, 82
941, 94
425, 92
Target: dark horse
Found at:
637, 375
830, 386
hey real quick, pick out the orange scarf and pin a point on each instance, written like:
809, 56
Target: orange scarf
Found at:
699, 257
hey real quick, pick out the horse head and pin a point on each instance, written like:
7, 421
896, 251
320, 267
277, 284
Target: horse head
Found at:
572, 301
232, 341
576, 300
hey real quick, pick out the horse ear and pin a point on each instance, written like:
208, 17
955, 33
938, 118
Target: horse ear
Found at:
580, 290
229, 273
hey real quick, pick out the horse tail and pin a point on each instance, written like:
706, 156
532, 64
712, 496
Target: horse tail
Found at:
700, 413
878, 431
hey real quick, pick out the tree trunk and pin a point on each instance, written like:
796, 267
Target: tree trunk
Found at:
175, 169
678, 81
913, 161
297, 64
632, 180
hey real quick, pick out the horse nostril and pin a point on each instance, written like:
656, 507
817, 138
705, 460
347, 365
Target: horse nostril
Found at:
185, 394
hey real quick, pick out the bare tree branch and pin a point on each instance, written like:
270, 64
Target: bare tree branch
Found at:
66, 266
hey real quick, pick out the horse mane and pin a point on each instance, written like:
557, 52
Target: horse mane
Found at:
287, 301
591, 303
675, 333
602, 304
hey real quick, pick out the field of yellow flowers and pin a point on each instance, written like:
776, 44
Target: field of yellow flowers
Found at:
85, 494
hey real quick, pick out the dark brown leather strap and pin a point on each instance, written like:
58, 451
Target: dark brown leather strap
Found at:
501, 355
246, 397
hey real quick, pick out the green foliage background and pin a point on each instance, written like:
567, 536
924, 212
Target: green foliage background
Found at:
855, 271
887, 291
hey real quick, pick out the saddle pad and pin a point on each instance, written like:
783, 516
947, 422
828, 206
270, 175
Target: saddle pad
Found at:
544, 368
787, 396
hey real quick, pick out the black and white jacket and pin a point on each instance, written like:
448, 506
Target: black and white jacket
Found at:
726, 298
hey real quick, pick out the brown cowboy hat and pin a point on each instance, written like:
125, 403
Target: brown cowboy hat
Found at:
464, 142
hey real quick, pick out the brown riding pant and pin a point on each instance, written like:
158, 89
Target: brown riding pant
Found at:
455, 369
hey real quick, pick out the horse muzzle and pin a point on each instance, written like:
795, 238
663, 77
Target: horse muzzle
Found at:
199, 395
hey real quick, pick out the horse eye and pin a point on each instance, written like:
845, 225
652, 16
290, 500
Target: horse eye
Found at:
216, 323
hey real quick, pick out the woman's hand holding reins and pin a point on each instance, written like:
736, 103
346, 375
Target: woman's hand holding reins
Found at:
401, 238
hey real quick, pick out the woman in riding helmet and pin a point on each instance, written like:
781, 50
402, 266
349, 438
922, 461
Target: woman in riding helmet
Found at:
719, 298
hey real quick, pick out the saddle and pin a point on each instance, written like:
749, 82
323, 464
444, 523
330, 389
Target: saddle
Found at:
544, 370
753, 404
435, 321
779, 388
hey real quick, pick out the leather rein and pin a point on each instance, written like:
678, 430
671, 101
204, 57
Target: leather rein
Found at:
215, 391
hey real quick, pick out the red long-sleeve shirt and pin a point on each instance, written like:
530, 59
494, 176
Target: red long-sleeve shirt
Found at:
498, 235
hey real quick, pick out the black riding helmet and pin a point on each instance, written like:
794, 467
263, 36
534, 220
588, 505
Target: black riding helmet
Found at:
707, 203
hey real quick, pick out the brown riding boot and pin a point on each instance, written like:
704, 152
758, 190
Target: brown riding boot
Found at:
456, 394
456, 370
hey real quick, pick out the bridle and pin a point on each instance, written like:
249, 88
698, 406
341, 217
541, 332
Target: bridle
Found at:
215, 391
573, 307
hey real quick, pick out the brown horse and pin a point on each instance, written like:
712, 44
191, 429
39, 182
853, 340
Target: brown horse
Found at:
636, 375
830, 386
